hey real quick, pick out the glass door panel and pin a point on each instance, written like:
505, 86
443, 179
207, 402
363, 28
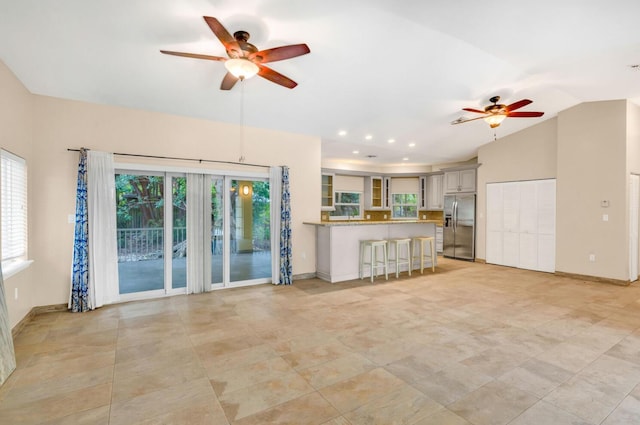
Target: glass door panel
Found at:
140, 232
179, 232
250, 230
217, 230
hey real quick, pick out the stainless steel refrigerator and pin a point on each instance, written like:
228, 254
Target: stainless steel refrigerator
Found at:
459, 226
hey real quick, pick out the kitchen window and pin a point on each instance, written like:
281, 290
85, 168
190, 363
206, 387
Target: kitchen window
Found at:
347, 206
404, 205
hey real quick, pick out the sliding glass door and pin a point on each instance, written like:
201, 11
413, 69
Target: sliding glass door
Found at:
217, 231
177, 249
250, 230
140, 232
152, 238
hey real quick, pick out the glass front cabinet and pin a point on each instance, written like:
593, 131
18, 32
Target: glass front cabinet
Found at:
376, 189
327, 192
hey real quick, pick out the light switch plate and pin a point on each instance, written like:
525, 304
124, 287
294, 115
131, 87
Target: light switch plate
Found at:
605, 217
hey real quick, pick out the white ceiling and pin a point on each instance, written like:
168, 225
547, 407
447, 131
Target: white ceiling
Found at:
391, 69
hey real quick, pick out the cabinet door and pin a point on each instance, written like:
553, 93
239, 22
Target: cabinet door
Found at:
327, 192
467, 180
386, 193
439, 191
423, 193
373, 193
435, 194
451, 181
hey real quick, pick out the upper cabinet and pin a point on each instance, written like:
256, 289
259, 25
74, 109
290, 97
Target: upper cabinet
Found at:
327, 192
431, 192
376, 192
422, 194
460, 181
435, 193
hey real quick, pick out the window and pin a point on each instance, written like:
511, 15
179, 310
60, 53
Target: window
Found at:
347, 206
404, 205
14, 208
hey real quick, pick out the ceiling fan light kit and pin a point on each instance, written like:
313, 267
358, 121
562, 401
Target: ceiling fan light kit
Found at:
241, 68
245, 60
494, 120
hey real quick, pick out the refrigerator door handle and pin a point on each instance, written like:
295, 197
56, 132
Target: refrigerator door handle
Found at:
455, 215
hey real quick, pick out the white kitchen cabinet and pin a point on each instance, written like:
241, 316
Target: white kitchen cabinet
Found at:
327, 192
439, 239
376, 193
460, 181
435, 194
521, 224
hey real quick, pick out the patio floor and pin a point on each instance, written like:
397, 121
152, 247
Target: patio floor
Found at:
148, 275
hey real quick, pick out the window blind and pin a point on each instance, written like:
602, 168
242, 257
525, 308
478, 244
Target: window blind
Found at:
14, 206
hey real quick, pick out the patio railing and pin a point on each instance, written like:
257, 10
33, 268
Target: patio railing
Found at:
146, 243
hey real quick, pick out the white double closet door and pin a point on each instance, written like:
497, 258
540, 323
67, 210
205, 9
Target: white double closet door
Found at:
521, 224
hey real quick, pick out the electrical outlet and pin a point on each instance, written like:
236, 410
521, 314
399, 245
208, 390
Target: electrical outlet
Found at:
385, 216
368, 216
592, 258
424, 216
605, 217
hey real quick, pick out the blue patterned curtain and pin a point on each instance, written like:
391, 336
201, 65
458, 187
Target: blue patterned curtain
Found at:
79, 300
286, 270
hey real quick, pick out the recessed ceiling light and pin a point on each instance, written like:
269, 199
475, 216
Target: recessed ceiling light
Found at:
405, 159
342, 133
368, 137
411, 145
355, 152
391, 140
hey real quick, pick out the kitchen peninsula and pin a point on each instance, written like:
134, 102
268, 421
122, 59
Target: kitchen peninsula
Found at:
338, 243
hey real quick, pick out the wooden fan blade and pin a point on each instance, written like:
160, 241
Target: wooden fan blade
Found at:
276, 77
230, 43
473, 110
193, 55
525, 114
463, 120
519, 104
279, 53
228, 81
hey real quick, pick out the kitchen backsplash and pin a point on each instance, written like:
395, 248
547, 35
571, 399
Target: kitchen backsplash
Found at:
380, 215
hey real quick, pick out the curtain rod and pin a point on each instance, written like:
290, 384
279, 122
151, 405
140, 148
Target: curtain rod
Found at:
180, 159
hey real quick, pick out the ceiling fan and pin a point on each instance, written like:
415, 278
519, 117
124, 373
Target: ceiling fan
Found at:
496, 113
245, 60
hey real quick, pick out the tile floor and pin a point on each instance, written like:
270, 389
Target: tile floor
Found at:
470, 344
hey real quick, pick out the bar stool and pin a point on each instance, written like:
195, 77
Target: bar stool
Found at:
375, 246
421, 240
394, 246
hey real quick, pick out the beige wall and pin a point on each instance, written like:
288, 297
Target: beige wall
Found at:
56, 124
526, 155
16, 136
592, 168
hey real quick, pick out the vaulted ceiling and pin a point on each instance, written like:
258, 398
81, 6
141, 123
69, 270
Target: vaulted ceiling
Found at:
390, 70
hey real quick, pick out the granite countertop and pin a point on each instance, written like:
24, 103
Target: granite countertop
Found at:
369, 222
